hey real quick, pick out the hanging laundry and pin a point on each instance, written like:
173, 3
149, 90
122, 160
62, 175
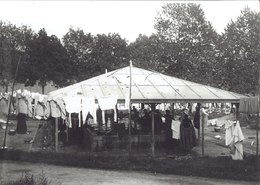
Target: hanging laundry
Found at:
41, 107
54, 109
29, 105
229, 126
108, 102
21, 104
62, 107
175, 129
193, 107
73, 105
3, 105
238, 137
203, 116
47, 108
88, 106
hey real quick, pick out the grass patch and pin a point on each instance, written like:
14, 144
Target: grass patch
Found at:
220, 167
29, 179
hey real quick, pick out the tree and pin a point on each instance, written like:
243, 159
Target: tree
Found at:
190, 40
92, 55
145, 52
109, 52
13, 41
79, 47
240, 53
47, 61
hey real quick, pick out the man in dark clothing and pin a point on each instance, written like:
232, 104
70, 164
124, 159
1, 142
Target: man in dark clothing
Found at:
187, 134
196, 119
168, 125
99, 118
135, 117
186, 122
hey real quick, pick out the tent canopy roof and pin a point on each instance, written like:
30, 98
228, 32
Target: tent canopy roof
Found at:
147, 87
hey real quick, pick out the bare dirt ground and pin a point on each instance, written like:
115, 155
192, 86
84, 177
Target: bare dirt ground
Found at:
213, 147
70, 175
82, 176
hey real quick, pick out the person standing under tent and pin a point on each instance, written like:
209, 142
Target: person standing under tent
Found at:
196, 119
135, 117
167, 127
187, 134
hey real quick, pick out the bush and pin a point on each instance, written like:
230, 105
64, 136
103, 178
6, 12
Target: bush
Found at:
219, 167
29, 179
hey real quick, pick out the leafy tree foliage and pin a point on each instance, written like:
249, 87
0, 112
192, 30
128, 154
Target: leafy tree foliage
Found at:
13, 42
146, 51
240, 53
190, 40
92, 55
79, 47
109, 52
47, 61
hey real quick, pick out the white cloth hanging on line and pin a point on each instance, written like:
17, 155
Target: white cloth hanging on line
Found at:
233, 139
73, 105
238, 137
88, 106
107, 103
175, 129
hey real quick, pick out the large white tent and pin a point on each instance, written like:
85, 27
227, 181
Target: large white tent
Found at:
147, 87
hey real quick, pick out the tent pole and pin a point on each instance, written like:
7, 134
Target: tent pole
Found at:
56, 134
257, 125
130, 107
67, 134
173, 110
153, 139
202, 135
258, 112
10, 101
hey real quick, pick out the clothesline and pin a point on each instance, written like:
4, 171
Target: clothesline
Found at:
40, 106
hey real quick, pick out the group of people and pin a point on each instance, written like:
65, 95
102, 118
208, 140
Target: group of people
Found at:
142, 121
187, 124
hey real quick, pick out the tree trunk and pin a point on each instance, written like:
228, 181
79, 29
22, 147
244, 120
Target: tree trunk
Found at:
43, 86
6, 87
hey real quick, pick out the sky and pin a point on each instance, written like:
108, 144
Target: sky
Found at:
128, 18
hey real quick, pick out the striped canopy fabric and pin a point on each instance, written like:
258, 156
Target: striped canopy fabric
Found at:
147, 87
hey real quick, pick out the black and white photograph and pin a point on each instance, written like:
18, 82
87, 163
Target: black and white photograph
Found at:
129, 92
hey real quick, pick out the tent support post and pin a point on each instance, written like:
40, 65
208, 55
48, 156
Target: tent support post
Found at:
257, 125
202, 136
67, 134
10, 102
173, 110
153, 139
56, 134
130, 107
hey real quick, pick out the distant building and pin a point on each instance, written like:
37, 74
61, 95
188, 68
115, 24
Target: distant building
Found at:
36, 88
